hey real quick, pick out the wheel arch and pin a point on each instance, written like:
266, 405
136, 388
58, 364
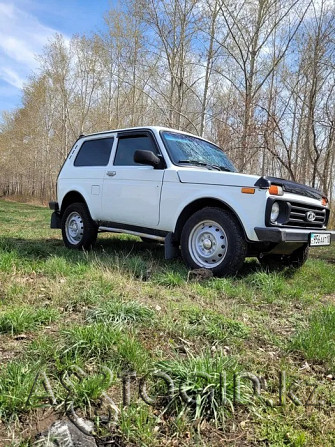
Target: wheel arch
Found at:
71, 197
199, 204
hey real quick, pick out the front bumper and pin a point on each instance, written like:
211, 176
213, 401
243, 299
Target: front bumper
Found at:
288, 235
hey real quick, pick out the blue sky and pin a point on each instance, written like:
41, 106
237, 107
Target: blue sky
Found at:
27, 25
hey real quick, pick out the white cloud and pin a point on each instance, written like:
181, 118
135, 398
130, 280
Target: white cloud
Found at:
11, 77
22, 36
18, 50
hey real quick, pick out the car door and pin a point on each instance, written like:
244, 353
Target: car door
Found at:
131, 191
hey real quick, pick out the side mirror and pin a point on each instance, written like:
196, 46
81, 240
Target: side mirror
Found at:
147, 158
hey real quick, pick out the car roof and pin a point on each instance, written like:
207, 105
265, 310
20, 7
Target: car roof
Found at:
125, 129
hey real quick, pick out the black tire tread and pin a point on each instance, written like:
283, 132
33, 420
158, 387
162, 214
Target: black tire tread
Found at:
90, 227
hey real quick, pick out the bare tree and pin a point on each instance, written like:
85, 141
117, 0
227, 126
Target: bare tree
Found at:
251, 25
255, 76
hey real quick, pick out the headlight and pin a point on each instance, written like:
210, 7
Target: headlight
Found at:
274, 212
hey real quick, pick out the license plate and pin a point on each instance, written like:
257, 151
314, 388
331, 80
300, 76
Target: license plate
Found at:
318, 239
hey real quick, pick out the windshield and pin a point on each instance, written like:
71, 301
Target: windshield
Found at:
186, 149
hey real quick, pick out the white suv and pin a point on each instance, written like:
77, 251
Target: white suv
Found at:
171, 186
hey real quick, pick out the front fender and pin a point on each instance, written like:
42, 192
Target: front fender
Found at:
248, 208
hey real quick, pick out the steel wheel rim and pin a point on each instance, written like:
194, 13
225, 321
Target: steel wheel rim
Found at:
208, 244
74, 228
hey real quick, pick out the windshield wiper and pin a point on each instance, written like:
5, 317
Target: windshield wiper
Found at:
206, 165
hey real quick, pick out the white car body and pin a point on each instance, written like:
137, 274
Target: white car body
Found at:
146, 201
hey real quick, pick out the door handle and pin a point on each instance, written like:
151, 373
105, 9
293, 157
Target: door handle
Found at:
111, 173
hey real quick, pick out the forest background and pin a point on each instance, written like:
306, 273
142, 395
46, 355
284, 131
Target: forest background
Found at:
257, 77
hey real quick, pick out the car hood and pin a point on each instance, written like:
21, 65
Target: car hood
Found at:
292, 187
207, 177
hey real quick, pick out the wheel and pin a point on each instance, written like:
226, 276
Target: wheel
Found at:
277, 262
78, 229
213, 239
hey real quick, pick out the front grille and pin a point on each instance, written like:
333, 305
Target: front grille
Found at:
295, 215
298, 216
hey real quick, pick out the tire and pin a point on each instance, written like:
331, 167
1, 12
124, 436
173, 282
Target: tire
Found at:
295, 260
79, 231
213, 239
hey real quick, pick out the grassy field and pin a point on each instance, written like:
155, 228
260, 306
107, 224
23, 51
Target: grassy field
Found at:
75, 325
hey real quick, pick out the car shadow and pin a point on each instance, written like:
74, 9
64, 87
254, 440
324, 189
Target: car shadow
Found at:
123, 251
108, 250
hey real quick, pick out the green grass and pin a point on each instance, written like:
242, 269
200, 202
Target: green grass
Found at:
316, 341
104, 343
137, 425
95, 341
206, 381
120, 312
214, 326
16, 382
123, 306
23, 318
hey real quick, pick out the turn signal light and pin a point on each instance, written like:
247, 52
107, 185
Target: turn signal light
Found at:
324, 201
248, 190
276, 190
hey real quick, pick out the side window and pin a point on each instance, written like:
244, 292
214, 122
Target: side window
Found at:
127, 146
94, 152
